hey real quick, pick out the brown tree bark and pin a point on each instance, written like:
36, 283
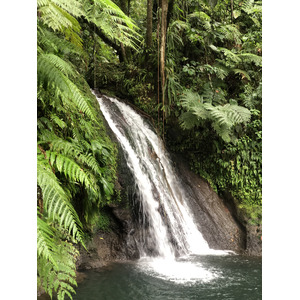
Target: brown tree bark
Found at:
231, 5
163, 39
149, 24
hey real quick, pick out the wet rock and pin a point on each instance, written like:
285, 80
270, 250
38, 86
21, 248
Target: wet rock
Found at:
253, 244
216, 223
116, 244
254, 240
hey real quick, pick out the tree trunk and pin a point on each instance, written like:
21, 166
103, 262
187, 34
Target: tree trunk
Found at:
123, 51
231, 5
94, 60
164, 13
149, 24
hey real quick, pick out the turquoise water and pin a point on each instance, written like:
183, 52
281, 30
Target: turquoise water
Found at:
197, 277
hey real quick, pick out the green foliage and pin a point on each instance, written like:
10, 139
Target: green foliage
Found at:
223, 118
56, 201
76, 161
114, 23
60, 277
102, 222
218, 71
61, 16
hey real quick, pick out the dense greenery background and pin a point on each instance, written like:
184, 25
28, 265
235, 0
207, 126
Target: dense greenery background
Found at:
193, 66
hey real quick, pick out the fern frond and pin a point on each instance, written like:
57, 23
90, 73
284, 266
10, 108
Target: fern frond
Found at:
235, 58
56, 201
61, 276
242, 72
45, 243
222, 117
229, 32
81, 101
113, 21
73, 7
52, 43
194, 102
54, 71
188, 120
58, 15
111, 8
74, 150
220, 114
58, 121
247, 6
239, 114
250, 57
203, 18
62, 65
71, 169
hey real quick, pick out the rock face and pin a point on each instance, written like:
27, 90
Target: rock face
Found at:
253, 243
214, 219
117, 244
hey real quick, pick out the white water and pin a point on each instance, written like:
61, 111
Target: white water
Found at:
162, 197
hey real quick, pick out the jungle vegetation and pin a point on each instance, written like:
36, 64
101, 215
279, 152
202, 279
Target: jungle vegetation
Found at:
193, 66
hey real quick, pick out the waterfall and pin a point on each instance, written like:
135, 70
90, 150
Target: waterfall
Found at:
169, 227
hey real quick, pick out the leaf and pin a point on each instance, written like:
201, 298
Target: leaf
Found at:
236, 13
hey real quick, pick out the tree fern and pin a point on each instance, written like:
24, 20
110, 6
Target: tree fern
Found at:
188, 120
112, 20
52, 43
59, 15
223, 118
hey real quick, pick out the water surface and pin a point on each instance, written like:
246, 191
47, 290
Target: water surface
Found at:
196, 277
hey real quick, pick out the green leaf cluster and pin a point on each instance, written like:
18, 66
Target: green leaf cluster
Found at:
76, 161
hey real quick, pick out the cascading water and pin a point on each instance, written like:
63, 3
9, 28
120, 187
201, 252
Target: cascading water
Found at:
171, 230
